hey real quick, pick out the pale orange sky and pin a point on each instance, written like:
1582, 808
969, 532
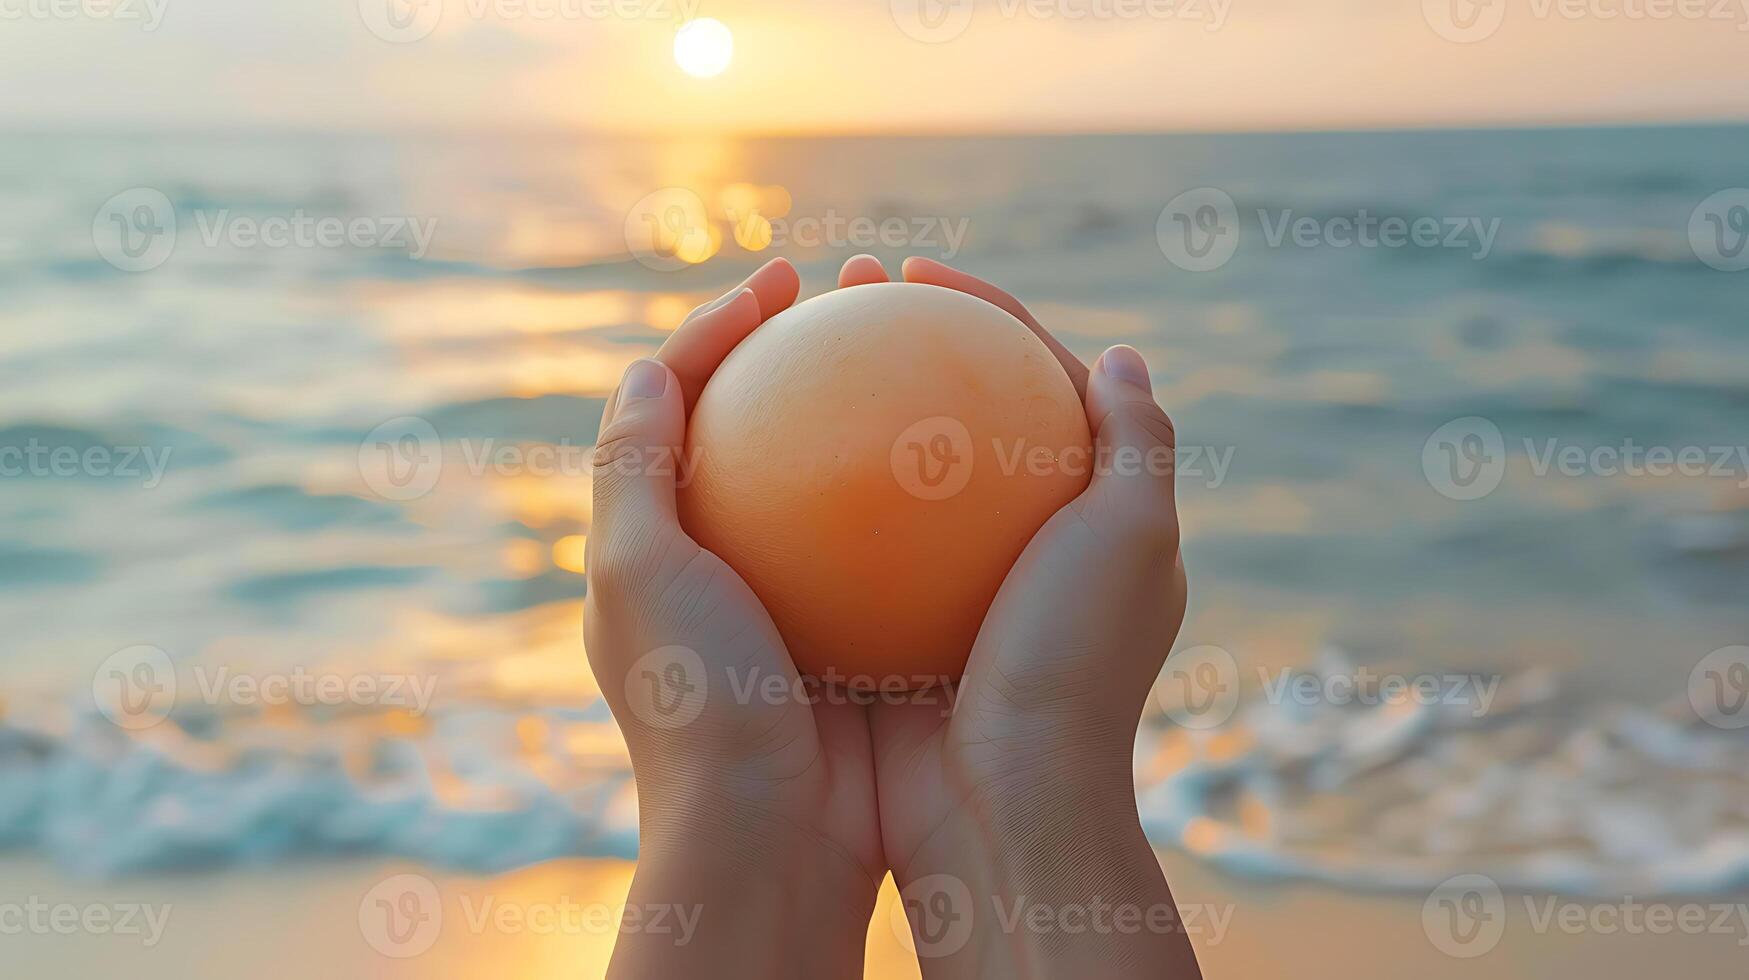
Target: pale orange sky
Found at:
837, 65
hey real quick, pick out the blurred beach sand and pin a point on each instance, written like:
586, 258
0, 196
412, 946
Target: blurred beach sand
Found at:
291, 923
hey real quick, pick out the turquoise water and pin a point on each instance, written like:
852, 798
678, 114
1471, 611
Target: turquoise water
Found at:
237, 517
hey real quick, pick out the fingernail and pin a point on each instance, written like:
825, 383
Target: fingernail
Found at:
644, 379
722, 301
1125, 363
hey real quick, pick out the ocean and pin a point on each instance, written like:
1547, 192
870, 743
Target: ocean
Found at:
1463, 479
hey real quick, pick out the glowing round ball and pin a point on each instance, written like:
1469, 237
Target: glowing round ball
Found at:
872, 462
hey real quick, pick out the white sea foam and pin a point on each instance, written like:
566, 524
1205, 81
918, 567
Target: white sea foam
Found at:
1540, 793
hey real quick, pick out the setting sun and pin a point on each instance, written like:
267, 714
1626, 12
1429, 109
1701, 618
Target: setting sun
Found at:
703, 47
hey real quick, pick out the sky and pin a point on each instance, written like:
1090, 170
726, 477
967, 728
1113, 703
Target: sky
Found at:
829, 66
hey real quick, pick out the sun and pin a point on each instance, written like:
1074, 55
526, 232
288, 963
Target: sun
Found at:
703, 47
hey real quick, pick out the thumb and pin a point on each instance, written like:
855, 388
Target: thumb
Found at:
1135, 446
638, 452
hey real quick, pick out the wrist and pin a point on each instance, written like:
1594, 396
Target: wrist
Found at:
764, 900
1045, 834
1051, 877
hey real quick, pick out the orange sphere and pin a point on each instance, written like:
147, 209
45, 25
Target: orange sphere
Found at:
872, 462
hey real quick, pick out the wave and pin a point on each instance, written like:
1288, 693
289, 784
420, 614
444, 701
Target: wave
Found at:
1538, 792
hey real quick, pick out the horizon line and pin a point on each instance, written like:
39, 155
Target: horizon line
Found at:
561, 130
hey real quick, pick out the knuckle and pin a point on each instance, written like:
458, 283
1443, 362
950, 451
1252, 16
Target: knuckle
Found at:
1154, 424
618, 567
618, 445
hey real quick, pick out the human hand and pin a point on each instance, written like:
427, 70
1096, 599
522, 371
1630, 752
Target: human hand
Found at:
1025, 790
759, 812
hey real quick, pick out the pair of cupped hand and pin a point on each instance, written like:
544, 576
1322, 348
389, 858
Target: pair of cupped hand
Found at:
1020, 779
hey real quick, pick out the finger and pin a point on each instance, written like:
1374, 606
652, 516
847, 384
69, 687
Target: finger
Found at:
775, 284
699, 345
861, 270
933, 273
1134, 444
636, 454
